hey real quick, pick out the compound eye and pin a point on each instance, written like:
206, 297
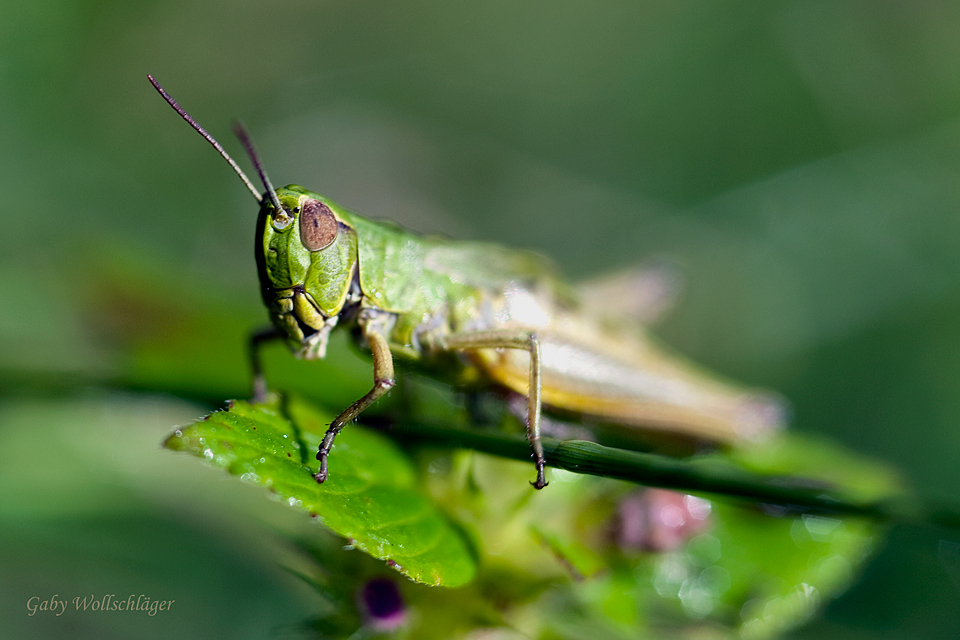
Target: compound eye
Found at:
318, 225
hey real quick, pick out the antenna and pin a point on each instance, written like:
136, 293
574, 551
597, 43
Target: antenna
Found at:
216, 145
241, 133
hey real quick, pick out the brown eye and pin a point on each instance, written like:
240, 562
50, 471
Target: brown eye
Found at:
318, 225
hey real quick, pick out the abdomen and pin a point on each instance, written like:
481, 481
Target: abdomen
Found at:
624, 378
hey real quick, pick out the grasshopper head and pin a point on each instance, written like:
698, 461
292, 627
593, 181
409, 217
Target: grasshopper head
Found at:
306, 253
306, 256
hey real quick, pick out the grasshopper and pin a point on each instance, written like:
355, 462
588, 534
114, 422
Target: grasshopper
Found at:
470, 311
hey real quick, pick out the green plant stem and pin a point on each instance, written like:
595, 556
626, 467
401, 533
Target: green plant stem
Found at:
706, 476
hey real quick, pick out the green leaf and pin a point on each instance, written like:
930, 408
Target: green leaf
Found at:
748, 570
371, 497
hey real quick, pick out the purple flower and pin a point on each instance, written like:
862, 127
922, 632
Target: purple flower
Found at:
380, 601
660, 520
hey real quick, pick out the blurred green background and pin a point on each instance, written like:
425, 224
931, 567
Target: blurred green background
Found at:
800, 160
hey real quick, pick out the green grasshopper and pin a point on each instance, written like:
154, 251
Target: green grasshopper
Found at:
468, 311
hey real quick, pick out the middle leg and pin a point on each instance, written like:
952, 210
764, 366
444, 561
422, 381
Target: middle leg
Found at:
511, 339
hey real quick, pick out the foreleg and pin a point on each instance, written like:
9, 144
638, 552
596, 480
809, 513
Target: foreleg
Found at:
383, 381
